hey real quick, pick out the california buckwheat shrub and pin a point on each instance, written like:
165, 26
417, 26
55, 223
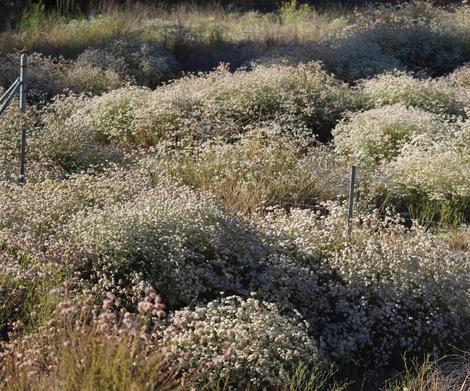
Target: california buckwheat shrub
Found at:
220, 102
149, 63
426, 94
12, 122
48, 76
182, 243
358, 58
387, 291
246, 341
412, 33
349, 58
437, 171
378, 135
40, 210
65, 139
44, 74
109, 118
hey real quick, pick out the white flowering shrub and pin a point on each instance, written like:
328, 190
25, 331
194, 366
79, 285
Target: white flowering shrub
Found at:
99, 58
421, 48
109, 118
348, 58
245, 341
427, 94
378, 135
413, 33
149, 63
387, 291
65, 139
434, 174
48, 76
182, 243
44, 74
12, 121
40, 210
358, 58
304, 96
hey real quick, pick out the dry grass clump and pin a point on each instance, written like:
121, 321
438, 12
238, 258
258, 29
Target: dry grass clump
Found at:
262, 168
446, 374
26, 277
87, 348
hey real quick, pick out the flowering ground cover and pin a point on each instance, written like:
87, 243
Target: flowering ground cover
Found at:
183, 225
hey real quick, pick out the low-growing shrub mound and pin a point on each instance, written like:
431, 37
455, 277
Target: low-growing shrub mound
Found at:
378, 135
41, 209
49, 76
179, 242
147, 63
247, 342
387, 291
432, 177
428, 94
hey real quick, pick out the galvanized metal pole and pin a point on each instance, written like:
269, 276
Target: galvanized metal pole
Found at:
22, 177
351, 199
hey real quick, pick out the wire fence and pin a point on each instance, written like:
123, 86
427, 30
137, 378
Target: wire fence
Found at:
18, 87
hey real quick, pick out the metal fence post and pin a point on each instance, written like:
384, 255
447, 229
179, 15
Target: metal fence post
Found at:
351, 199
22, 99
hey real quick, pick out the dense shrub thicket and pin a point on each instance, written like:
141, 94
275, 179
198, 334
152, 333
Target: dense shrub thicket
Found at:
191, 231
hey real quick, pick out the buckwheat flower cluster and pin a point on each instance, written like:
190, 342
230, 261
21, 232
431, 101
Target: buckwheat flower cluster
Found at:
387, 290
109, 117
433, 95
441, 170
183, 243
378, 135
246, 340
